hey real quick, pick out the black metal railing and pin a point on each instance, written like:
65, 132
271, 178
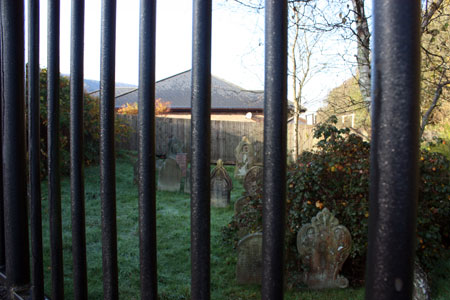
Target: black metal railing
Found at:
394, 154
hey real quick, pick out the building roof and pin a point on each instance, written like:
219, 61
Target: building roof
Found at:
118, 91
225, 96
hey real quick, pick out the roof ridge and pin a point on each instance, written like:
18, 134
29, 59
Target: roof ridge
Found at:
171, 76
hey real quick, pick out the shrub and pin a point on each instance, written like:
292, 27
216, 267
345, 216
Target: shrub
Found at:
161, 108
91, 122
336, 176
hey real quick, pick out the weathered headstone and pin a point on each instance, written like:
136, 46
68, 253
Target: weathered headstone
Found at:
249, 261
221, 186
181, 159
253, 180
324, 245
187, 181
169, 176
245, 158
240, 204
174, 147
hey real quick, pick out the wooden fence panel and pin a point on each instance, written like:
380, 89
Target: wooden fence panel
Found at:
225, 136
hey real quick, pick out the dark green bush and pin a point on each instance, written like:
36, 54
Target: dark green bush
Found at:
91, 121
336, 176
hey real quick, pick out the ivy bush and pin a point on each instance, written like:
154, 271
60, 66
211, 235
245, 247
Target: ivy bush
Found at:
336, 175
91, 121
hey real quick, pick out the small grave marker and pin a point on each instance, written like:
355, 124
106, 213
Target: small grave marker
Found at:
221, 186
169, 176
324, 245
249, 261
245, 158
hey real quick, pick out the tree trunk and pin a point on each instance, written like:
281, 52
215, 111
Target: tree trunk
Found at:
363, 52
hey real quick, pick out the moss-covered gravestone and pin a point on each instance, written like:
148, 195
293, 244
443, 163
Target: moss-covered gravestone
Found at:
245, 158
253, 180
324, 245
169, 176
221, 186
249, 261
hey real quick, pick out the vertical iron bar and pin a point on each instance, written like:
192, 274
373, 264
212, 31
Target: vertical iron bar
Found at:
76, 151
275, 126
147, 186
54, 185
107, 154
200, 150
2, 220
14, 166
394, 151
37, 276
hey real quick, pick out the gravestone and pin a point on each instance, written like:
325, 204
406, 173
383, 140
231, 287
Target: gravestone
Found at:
240, 204
324, 245
221, 186
249, 261
181, 159
245, 158
169, 176
174, 147
187, 181
253, 180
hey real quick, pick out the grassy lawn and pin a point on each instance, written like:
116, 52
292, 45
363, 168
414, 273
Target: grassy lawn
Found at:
173, 218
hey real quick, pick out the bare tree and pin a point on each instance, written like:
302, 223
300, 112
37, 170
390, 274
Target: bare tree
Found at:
352, 22
302, 48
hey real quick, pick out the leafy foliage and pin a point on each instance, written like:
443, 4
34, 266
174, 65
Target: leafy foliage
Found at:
336, 176
347, 99
132, 109
91, 121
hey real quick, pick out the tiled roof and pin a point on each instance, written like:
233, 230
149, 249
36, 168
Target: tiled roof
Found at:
177, 90
119, 91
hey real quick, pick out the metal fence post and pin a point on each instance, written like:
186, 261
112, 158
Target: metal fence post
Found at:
200, 150
13, 138
275, 144
394, 150
37, 286
76, 151
107, 150
147, 169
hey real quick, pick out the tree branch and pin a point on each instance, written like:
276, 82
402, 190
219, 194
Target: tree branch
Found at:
437, 95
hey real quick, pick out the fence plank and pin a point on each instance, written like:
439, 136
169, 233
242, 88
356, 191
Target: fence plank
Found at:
225, 136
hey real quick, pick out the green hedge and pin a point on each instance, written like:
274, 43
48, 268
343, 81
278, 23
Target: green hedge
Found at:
336, 176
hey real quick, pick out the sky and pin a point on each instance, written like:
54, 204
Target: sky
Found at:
237, 44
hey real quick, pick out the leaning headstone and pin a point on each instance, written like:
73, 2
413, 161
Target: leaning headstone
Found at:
240, 204
187, 181
253, 180
245, 158
249, 261
221, 186
421, 288
324, 245
169, 176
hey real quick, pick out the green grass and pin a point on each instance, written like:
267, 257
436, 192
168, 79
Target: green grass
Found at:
173, 218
